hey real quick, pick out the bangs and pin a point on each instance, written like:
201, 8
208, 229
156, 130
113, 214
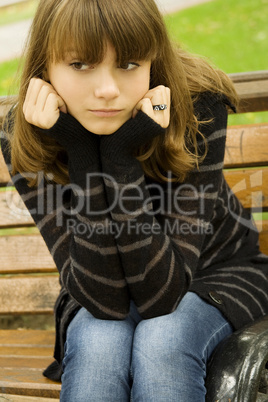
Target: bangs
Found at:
85, 26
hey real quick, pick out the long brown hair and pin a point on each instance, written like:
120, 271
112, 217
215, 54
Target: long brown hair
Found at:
137, 31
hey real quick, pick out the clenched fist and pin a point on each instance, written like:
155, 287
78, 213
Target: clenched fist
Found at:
42, 104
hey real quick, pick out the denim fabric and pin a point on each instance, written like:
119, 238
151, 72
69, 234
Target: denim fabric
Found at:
160, 359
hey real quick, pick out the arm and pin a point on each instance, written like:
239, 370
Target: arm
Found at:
86, 258
160, 258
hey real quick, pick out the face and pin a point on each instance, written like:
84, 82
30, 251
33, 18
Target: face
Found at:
101, 97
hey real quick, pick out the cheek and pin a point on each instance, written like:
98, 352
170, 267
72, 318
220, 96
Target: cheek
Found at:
140, 89
63, 85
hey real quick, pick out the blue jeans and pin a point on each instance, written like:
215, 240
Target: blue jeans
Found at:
160, 359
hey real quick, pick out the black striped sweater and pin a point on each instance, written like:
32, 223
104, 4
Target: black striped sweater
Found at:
117, 235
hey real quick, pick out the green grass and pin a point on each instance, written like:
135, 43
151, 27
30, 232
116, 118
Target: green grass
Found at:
9, 77
232, 35
260, 216
18, 12
19, 231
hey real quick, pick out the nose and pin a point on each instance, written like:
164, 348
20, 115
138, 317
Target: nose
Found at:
106, 86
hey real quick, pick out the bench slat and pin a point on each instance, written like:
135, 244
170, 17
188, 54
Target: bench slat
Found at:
22, 351
241, 149
248, 76
38, 259
253, 96
24, 362
27, 382
263, 229
22, 295
250, 186
251, 87
16, 294
13, 211
18, 257
19, 398
245, 145
26, 338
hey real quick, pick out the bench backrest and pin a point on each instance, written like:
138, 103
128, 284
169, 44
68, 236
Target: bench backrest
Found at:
28, 276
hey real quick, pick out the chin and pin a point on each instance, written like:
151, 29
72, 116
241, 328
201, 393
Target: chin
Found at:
103, 129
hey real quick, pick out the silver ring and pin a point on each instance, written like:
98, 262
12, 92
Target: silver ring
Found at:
159, 107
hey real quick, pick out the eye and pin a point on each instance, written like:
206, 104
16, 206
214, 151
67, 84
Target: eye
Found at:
129, 66
79, 66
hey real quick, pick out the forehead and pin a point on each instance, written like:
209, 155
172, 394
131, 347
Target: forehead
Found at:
87, 33
107, 52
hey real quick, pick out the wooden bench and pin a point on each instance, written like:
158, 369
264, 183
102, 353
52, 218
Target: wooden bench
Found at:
28, 278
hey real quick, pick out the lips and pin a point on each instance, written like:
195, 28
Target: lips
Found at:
106, 112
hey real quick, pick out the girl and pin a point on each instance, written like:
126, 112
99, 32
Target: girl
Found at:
117, 145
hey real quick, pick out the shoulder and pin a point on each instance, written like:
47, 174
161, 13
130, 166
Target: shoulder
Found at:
211, 110
208, 102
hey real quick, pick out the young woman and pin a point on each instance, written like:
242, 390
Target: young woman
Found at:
116, 146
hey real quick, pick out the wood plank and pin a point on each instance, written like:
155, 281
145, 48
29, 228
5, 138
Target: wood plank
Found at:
18, 257
249, 76
247, 145
252, 87
26, 338
253, 96
250, 186
21, 375
8, 352
13, 211
28, 294
23, 362
28, 382
19, 398
263, 229
241, 148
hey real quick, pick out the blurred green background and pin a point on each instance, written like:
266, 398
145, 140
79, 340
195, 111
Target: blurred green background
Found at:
232, 34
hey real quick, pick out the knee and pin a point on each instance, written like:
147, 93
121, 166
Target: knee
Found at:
93, 340
154, 343
170, 338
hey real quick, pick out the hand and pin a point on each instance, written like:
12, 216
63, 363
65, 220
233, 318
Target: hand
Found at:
42, 104
156, 96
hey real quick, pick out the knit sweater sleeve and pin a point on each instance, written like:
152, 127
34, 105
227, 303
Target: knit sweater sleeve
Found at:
68, 218
160, 247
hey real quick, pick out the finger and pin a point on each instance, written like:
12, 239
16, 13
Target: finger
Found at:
42, 98
160, 96
32, 97
35, 103
51, 112
62, 105
32, 93
145, 105
42, 104
48, 110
